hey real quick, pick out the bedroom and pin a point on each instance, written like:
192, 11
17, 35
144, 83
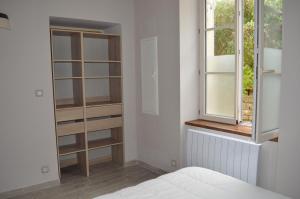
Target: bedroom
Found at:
151, 142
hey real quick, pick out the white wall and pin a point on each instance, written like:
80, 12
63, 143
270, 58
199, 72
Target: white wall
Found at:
267, 165
189, 59
27, 138
288, 172
159, 136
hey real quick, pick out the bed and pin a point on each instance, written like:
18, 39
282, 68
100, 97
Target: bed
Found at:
193, 183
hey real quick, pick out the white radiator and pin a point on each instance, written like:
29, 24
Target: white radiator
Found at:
230, 156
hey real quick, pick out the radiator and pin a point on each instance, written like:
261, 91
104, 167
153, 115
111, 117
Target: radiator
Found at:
230, 156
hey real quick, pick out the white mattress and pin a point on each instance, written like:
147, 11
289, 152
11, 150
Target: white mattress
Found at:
192, 183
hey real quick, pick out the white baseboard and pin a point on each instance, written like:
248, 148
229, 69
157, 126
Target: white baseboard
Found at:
29, 189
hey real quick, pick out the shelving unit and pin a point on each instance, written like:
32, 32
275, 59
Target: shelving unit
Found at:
87, 85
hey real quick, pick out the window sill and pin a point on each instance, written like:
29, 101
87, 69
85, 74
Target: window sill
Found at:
238, 129
227, 128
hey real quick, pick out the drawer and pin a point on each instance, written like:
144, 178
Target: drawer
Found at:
70, 129
97, 125
69, 114
104, 110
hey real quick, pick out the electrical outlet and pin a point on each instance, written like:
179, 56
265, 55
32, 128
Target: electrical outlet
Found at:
45, 169
174, 163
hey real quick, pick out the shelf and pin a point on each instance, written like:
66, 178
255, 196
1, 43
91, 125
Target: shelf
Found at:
64, 78
99, 35
101, 61
102, 124
70, 149
67, 106
66, 60
95, 144
104, 110
70, 129
67, 114
75, 29
100, 103
103, 77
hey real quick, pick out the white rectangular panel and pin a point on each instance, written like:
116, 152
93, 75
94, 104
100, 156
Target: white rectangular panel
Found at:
149, 64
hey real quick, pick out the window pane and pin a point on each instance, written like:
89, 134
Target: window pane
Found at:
220, 51
220, 13
272, 34
220, 94
272, 59
272, 62
273, 24
270, 102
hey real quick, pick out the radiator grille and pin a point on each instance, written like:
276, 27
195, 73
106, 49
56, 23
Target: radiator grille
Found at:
230, 156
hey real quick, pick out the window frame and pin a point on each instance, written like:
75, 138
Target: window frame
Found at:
258, 135
238, 65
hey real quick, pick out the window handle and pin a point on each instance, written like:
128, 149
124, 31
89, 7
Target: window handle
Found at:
269, 71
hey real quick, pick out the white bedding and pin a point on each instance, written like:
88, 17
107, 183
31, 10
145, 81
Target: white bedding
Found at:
192, 183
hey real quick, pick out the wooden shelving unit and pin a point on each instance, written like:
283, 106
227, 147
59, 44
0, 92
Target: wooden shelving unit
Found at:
87, 86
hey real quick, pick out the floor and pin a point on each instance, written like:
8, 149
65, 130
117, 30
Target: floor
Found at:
104, 178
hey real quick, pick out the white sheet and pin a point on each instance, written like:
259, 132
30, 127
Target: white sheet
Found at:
193, 183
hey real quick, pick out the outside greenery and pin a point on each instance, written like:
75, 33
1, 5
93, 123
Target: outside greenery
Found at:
224, 36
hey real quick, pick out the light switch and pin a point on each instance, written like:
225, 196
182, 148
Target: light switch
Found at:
39, 93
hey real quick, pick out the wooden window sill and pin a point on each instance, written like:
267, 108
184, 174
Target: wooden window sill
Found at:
227, 128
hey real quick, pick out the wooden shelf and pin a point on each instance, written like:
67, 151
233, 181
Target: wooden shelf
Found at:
103, 110
67, 114
103, 77
102, 124
70, 149
95, 144
67, 106
66, 60
65, 78
70, 129
101, 61
100, 103
75, 29
99, 35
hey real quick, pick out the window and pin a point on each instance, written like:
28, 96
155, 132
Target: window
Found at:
241, 44
222, 62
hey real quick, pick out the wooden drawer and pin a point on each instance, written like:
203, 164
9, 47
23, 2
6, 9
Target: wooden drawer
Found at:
69, 114
97, 125
70, 129
104, 110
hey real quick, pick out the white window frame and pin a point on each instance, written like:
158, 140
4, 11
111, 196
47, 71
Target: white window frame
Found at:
239, 62
258, 135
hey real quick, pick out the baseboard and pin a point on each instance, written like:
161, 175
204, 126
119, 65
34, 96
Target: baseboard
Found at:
14, 193
146, 166
131, 163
